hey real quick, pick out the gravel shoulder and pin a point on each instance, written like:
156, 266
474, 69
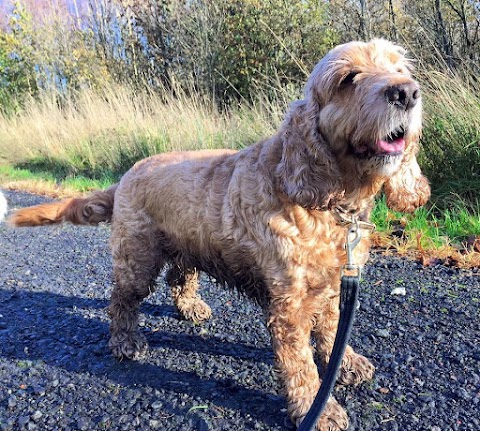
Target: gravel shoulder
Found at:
56, 372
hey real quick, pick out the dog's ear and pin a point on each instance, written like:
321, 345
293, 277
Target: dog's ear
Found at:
307, 173
407, 189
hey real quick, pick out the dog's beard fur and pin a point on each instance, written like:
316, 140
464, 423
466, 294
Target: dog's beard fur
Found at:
382, 166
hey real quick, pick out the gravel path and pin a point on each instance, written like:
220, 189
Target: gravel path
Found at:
56, 372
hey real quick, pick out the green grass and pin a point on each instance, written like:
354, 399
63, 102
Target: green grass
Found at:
48, 180
450, 152
428, 225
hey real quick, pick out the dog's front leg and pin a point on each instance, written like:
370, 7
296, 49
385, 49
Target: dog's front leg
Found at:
355, 368
290, 327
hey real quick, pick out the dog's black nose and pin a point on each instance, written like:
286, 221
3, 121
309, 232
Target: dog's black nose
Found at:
403, 95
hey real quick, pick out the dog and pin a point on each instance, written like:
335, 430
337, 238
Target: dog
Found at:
3, 206
269, 219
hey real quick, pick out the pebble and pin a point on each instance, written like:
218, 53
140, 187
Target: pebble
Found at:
23, 421
155, 424
83, 424
157, 405
37, 415
12, 401
39, 390
399, 291
384, 333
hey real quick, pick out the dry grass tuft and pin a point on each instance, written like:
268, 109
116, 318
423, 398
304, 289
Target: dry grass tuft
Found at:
43, 188
465, 256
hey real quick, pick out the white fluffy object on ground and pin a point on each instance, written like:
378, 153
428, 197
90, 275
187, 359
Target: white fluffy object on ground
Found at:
3, 206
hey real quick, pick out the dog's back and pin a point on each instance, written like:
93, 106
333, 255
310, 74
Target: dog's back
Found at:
98, 206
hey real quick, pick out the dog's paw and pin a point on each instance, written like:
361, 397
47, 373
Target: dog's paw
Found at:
130, 345
197, 311
334, 417
355, 369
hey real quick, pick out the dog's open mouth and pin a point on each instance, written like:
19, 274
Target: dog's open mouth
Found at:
391, 145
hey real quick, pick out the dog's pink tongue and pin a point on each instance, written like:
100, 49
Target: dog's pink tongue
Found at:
396, 146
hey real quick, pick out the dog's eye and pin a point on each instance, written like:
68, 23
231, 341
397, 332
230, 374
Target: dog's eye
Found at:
349, 78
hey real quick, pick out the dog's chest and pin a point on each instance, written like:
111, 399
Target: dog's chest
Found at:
308, 240
315, 241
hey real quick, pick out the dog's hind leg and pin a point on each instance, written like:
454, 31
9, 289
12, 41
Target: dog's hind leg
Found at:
184, 285
136, 264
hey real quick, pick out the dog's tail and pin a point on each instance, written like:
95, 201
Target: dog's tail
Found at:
93, 209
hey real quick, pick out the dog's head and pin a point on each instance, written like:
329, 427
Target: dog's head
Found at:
364, 110
370, 106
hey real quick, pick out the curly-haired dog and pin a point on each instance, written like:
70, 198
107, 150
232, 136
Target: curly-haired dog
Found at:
267, 219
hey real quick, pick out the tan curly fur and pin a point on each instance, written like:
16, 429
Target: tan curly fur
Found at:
265, 219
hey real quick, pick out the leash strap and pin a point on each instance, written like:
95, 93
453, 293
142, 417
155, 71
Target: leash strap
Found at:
348, 303
350, 279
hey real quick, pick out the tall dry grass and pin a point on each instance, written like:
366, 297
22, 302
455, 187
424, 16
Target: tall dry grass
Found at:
451, 138
98, 132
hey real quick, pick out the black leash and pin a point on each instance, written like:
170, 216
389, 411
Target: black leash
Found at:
348, 302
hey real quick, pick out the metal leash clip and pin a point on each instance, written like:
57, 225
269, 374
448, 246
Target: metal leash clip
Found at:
353, 238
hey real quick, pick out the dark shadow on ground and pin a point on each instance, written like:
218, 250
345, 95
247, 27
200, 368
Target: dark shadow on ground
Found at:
51, 328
